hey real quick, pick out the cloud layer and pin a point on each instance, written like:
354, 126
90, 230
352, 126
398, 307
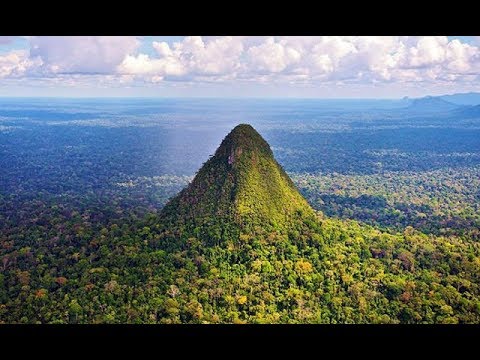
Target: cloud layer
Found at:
83, 54
289, 60
309, 59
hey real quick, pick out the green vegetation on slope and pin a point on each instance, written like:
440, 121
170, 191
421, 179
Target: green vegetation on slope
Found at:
239, 189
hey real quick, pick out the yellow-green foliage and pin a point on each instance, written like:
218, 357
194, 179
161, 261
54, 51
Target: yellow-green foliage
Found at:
265, 193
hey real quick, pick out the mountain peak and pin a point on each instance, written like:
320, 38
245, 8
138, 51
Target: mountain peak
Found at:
242, 138
244, 131
242, 187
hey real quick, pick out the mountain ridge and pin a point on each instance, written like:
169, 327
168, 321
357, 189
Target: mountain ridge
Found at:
431, 104
469, 98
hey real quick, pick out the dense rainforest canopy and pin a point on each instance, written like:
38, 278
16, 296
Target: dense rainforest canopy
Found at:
239, 244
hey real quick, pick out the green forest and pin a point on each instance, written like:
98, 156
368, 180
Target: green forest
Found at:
240, 244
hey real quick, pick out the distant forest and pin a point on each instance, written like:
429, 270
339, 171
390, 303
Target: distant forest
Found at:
394, 240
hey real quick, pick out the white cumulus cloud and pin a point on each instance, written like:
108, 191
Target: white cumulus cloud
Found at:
290, 60
193, 56
272, 56
362, 59
16, 63
82, 54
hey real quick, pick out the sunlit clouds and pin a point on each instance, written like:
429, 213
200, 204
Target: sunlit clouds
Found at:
287, 64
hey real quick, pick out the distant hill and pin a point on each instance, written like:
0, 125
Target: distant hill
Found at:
431, 104
470, 98
469, 112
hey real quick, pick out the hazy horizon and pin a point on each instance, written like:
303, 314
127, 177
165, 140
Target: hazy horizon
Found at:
228, 97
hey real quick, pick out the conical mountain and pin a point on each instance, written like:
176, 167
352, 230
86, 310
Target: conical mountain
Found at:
241, 187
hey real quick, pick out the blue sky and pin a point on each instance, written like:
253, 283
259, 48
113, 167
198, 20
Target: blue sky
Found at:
194, 66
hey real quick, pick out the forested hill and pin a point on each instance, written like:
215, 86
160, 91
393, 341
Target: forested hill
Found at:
238, 189
238, 245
